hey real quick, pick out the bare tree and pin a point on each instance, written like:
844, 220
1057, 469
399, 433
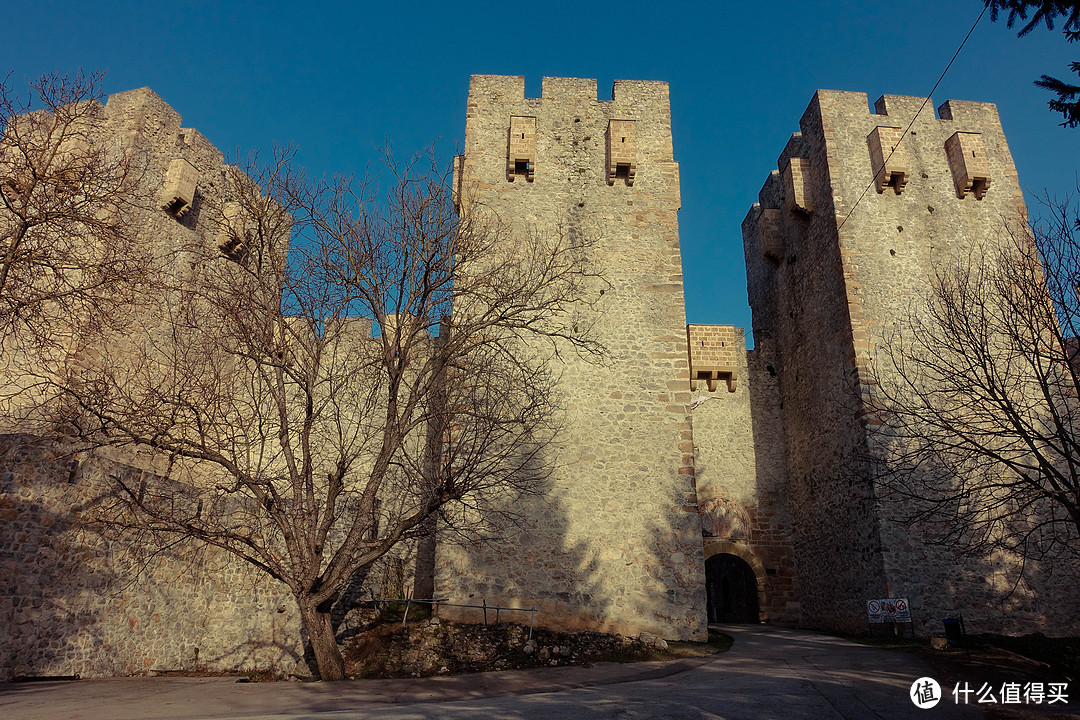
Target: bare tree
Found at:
974, 407
292, 438
67, 249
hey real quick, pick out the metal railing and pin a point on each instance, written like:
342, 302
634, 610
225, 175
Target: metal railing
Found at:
438, 602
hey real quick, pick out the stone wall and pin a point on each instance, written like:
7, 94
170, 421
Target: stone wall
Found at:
75, 601
741, 475
615, 541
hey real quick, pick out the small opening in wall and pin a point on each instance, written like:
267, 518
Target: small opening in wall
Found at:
622, 171
175, 207
236, 249
624, 140
521, 167
978, 187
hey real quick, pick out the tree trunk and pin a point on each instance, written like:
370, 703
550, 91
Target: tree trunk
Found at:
320, 631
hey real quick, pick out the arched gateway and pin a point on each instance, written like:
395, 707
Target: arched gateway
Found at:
731, 584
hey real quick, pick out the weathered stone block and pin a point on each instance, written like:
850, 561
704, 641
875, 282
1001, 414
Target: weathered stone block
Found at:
888, 158
621, 151
968, 162
179, 191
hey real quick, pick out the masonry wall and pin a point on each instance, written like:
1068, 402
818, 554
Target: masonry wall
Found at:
75, 601
615, 542
833, 265
798, 298
741, 474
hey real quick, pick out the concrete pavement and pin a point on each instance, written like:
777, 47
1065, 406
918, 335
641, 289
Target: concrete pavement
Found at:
768, 673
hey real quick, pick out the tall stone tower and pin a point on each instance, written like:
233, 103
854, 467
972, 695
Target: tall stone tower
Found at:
615, 543
844, 237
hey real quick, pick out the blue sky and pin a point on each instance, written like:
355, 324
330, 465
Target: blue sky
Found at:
339, 80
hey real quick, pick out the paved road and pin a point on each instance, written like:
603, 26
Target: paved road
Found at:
768, 673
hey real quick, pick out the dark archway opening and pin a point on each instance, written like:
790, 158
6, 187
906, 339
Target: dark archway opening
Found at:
731, 590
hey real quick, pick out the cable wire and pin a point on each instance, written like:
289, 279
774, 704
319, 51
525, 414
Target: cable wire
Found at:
873, 180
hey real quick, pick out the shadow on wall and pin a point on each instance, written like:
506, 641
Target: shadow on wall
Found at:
76, 601
519, 566
581, 570
998, 590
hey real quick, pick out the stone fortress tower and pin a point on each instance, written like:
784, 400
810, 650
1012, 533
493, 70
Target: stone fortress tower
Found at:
846, 234
72, 602
616, 542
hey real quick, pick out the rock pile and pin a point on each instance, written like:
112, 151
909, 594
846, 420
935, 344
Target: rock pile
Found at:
434, 647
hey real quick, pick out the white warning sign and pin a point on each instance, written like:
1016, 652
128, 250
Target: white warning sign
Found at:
888, 610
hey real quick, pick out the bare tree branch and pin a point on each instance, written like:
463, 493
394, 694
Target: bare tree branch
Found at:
975, 402
289, 436
68, 247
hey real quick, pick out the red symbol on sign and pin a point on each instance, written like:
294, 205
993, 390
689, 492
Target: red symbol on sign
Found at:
890, 608
901, 605
873, 607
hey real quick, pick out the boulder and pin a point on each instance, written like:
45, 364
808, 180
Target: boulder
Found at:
653, 641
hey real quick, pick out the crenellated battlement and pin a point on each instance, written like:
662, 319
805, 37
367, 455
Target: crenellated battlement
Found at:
562, 89
566, 139
955, 154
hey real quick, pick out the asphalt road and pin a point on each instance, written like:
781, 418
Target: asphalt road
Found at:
768, 673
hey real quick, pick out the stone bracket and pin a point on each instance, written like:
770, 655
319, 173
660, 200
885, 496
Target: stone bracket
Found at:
770, 238
234, 235
712, 358
968, 162
621, 151
179, 191
796, 185
888, 159
521, 150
